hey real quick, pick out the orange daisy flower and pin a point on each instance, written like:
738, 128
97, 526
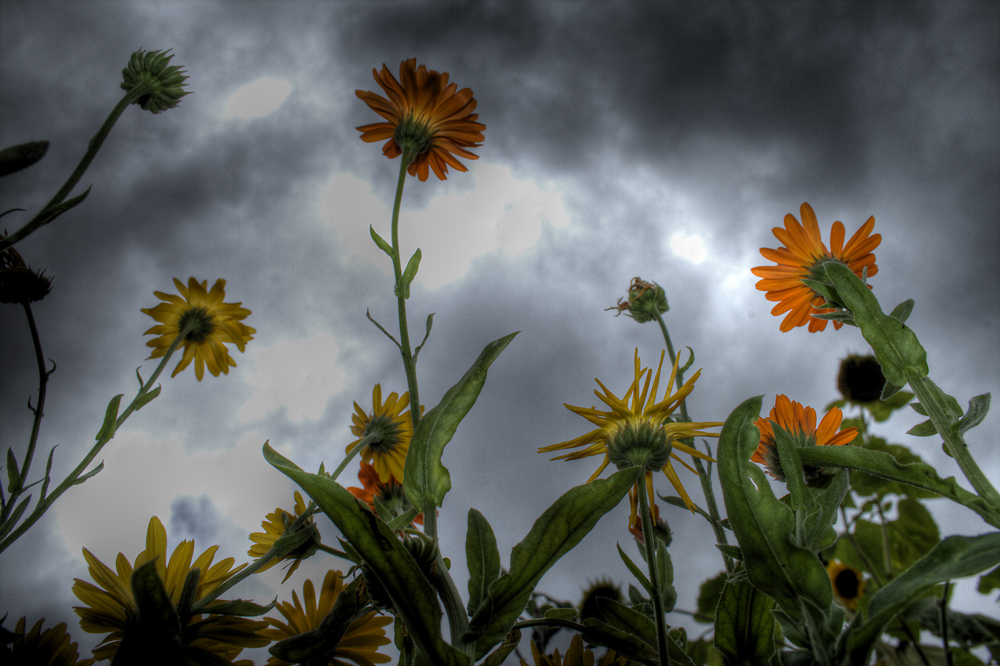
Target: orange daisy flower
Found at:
389, 493
799, 259
424, 114
800, 422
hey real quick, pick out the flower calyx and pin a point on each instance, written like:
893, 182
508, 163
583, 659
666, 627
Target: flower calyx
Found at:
645, 301
164, 82
639, 442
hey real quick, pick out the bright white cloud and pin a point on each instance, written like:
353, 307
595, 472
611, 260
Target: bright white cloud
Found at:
257, 99
688, 246
299, 376
500, 214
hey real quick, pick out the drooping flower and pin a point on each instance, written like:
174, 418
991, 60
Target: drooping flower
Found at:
391, 424
360, 643
800, 422
35, 647
799, 259
635, 425
423, 114
207, 323
576, 655
390, 493
848, 583
111, 607
274, 525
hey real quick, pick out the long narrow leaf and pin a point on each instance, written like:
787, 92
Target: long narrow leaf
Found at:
482, 556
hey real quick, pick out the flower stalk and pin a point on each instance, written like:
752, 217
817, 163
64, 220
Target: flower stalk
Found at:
650, 546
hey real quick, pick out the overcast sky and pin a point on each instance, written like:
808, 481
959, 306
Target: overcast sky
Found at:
622, 139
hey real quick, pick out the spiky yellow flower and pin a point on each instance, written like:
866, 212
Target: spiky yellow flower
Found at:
800, 258
576, 655
633, 421
111, 607
274, 525
426, 115
848, 583
390, 493
206, 324
51, 647
360, 643
800, 422
392, 430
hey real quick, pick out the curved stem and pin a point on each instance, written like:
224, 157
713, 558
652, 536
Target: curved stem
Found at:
81, 168
647, 537
43, 380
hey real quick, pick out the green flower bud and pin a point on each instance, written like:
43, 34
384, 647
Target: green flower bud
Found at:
646, 300
166, 83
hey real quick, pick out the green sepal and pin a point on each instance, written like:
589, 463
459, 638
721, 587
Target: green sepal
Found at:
385, 247
764, 525
954, 557
147, 398
403, 286
21, 156
509, 644
896, 346
482, 556
556, 532
239, 608
636, 571
562, 613
385, 557
13, 473
744, 625
425, 480
110, 425
884, 465
321, 642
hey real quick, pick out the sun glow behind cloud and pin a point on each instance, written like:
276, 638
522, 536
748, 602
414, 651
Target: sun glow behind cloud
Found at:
689, 246
257, 99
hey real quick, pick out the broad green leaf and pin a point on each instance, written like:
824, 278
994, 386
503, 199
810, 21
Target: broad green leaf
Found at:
764, 526
425, 480
620, 640
107, 431
884, 465
744, 626
403, 286
411, 594
881, 410
628, 619
896, 346
911, 536
482, 556
708, 597
556, 532
865, 484
561, 613
989, 582
954, 557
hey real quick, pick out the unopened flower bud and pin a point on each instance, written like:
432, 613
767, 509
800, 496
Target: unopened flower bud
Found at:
646, 301
153, 69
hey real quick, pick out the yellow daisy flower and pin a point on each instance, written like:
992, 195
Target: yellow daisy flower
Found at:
52, 647
394, 428
111, 608
848, 583
799, 258
207, 323
576, 655
426, 113
359, 644
801, 423
274, 525
644, 412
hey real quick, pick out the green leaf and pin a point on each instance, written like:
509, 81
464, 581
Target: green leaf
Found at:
896, 346
902, 311
889, 390
881, 410
482, 556
107, 431
989, 582
708, 597
744, 626
147, 397
561, 613
621, 641
636, 571
884, 465
665, 577
21, 156
385, 247
52, 213
89, 474
411, 594
865, 484
978, 408
15, 515
764, 525
425, 480
627, 619
318, 643
509, 644
922, 429
556, 532
239, 607
159, 624
403, 286
954, 557
13, 474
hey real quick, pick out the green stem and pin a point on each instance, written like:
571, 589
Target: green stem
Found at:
404, 334
650, 546
81, 168
458, 619
354, 452
45, 501
932, 402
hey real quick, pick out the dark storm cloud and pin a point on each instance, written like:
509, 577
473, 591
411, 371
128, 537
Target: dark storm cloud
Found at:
194, 518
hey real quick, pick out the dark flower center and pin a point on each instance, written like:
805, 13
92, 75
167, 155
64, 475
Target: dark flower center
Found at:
846, 582
199, 323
